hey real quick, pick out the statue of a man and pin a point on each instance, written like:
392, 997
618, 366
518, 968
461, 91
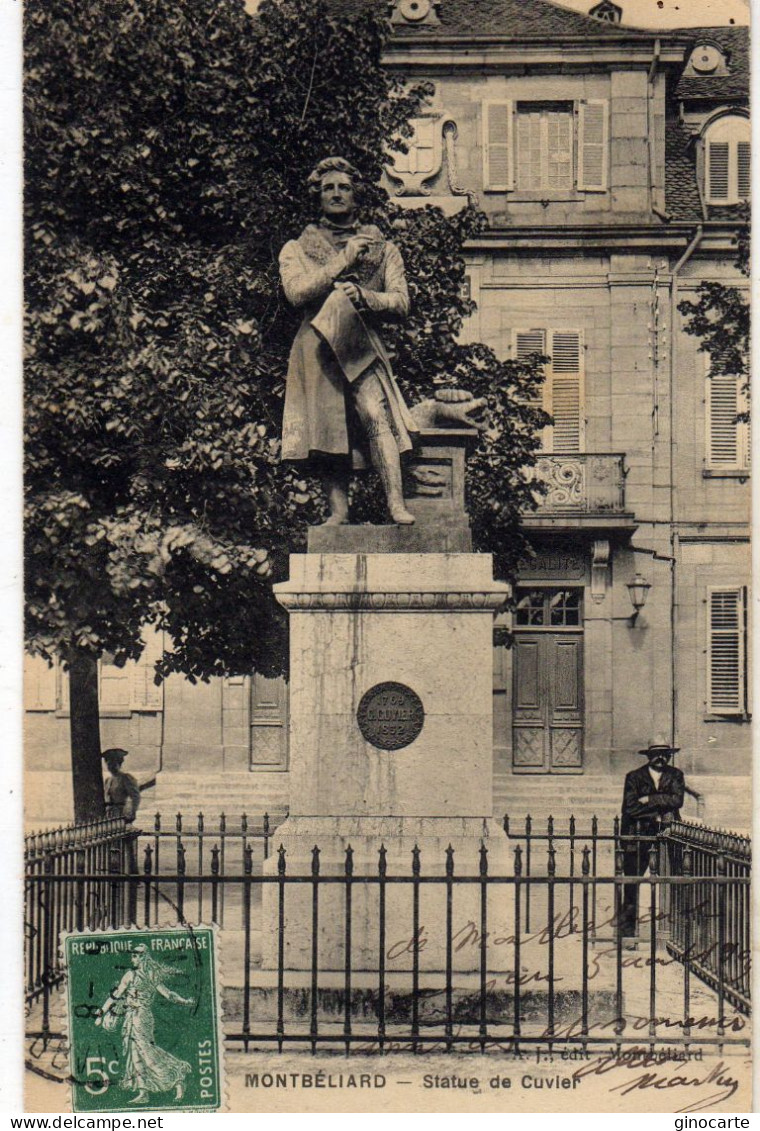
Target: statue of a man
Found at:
341, 396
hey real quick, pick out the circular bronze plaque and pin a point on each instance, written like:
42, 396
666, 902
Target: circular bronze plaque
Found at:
390, 715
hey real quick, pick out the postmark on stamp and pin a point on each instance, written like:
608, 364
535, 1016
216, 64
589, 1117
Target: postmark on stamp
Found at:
144, 1020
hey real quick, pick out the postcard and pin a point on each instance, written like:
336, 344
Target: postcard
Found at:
387, 698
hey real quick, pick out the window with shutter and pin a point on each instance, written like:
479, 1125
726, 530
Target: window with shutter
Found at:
544, 157
131, 687
563, 388
726, 647
743, 168
568, 410
727, 160
114, 687
727, 438
497, 146
718, 161
40, 685
593, 145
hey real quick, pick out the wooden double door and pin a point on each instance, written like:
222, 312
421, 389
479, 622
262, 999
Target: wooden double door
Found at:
547, 682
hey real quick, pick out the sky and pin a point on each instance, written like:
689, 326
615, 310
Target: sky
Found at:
674, 13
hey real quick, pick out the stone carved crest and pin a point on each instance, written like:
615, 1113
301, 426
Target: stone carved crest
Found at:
423, 160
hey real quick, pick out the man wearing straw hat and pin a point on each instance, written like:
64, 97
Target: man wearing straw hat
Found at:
652, 799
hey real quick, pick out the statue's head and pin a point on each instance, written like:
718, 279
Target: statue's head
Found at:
336, 186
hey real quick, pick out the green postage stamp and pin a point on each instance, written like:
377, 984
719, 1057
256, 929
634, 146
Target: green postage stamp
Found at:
144, 1022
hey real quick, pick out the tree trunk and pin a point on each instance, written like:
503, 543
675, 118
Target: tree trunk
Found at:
86, 768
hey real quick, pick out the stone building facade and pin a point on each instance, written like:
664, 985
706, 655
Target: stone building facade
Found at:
612, 164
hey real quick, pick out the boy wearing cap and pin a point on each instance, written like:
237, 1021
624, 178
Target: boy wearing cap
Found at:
652, 799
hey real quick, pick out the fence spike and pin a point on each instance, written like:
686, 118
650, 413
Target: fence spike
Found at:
586, 861
222, 824
483, 859
180, 858
244, 823
281, 860
618, 861
551, 864
215, 860
616, 827
315, 861
450, 861
248, 859
148, 860
415, 861
518, 861
572, 825
506, 823
157, 823
266, 824
200, 822
178, 822
382, 862
594, 826
349, 861
550, 826
528, 824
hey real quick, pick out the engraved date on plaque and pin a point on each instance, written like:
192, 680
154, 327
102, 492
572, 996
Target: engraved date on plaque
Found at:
390, 715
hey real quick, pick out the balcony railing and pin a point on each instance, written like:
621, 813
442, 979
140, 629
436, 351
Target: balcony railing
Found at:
583, 484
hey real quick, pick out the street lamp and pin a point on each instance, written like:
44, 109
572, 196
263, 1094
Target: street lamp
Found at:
638, 590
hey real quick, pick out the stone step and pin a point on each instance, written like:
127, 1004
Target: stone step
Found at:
399, 1001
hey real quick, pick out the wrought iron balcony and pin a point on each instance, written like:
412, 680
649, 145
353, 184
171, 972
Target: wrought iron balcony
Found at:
583, 490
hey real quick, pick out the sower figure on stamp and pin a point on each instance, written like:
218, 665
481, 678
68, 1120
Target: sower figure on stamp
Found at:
341, 396
147, 1066
122, 792
652, 799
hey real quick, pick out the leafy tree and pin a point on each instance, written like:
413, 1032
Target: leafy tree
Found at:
720, 318
167, 147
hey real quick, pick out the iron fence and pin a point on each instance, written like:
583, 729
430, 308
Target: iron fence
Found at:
423, 954
710, 922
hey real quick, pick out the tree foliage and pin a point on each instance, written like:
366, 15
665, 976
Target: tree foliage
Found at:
720, 318
167, 148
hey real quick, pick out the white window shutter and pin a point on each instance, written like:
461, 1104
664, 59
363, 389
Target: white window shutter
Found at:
567, 391
39, 685
114, 687
724, 448
593, 145
718, 159
743, 169
131, 688
497, 146
527, 342
726, 651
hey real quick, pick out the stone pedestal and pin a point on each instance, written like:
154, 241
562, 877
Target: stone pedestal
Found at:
359, 620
